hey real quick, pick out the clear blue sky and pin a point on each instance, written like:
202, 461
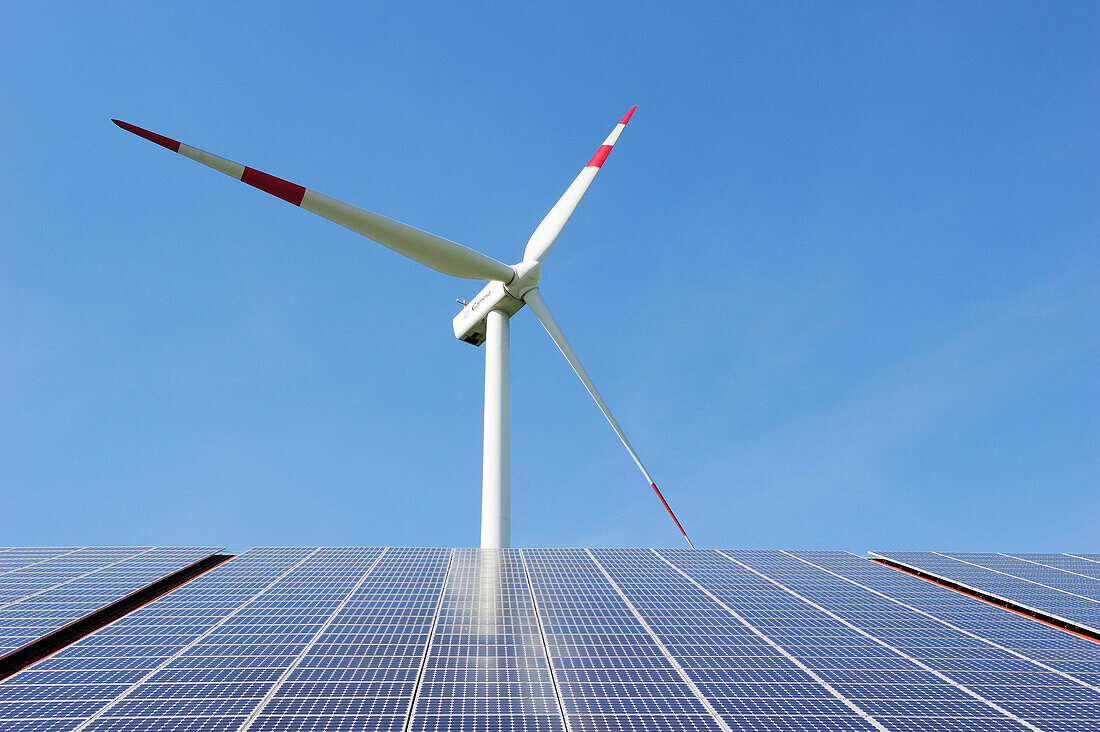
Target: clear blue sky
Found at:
838, 281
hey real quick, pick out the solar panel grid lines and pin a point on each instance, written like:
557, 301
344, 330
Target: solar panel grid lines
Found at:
1067, 598
932, 707
737, 703
1011, 606
1052, 561
128, 559
428, 645
47, 591
546, 643
16, 559
487, 623
1014, 562
78, 677
363, 672
312, 642
1026, 687
675, 664
212, 579
620, 679
1014, 567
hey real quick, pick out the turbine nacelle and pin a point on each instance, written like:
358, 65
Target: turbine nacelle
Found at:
470, 325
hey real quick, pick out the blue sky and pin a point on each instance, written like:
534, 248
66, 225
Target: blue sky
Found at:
838, 280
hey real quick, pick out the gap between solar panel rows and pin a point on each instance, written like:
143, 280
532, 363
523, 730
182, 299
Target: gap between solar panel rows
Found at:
44, 590
1061, 588
560, 639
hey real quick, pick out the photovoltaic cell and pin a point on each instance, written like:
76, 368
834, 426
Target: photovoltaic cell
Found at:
1064, 586
44, 589
568, 640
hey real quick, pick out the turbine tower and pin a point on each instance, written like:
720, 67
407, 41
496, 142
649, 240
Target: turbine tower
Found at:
484, 320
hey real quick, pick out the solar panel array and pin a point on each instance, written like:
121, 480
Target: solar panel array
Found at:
44, 589
575, 640
1065, 586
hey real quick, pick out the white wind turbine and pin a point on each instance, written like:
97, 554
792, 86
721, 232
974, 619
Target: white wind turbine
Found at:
483, 320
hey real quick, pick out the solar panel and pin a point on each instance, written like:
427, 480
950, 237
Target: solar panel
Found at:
569, 640
1028, 668
1061, 586
360, 668
487, 663
612, 673
44, 589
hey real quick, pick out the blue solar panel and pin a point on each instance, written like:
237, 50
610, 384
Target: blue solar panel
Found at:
360, 670
612, 673
1065, 587
44, 589
561, 640
1040, 666
487, 626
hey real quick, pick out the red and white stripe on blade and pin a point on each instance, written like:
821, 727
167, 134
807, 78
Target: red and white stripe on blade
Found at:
538, 306
430, 250
547, 232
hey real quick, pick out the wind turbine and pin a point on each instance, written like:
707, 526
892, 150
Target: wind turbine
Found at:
484, 320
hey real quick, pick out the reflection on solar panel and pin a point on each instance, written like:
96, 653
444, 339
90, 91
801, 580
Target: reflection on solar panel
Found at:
1062, 586
44, 589
569, 640
486, 658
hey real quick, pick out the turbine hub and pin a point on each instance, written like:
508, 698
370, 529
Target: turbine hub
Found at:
526, 277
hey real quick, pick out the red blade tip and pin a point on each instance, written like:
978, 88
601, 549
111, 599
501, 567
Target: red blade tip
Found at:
670, 513
161, 140
627, 117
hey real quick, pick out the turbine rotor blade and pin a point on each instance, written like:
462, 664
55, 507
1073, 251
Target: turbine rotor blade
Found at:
432, 251
546, 233
538, 306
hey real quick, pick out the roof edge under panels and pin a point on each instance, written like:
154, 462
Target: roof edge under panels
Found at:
1002, 602
33, 652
